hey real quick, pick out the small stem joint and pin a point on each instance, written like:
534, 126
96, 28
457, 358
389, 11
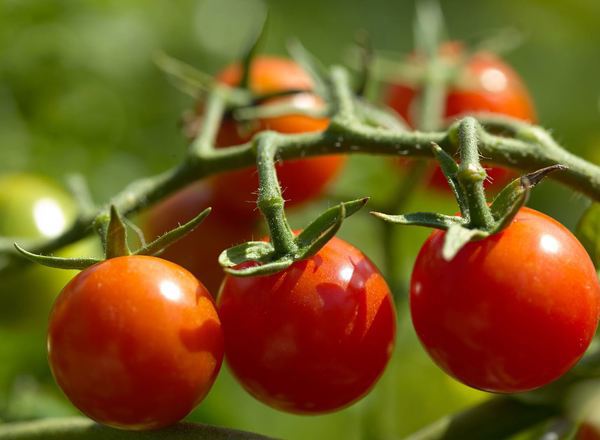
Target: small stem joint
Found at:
471, 173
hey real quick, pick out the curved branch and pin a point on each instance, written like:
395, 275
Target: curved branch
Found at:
75, 428
532, 148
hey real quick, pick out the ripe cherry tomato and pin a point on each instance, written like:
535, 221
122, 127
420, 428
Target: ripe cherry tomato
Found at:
135, 342
313, 338
484, 84
198, 251
301, 180
34, 207
509, 313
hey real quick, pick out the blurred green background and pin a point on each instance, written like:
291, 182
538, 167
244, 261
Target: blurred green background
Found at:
79, 93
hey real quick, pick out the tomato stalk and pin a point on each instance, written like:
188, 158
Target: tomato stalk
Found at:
526, 147
270, 200
471, 175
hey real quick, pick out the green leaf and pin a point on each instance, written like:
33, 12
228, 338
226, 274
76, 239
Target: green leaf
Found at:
255, 40
186, 78
380, 117
58, 262
427, 219
588, 232
429, 28
116, 236
166, 240
457, 237
317, 71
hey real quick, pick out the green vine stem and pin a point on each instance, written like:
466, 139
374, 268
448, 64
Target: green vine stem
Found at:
528, 148
270, 200
76, 428
471, 175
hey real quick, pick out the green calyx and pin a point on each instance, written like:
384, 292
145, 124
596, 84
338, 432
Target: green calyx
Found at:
265, 258
478, 219
113, 233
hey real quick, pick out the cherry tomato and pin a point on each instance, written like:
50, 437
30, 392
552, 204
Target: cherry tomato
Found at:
509, 313
135, 342
484, 84
198, 251
301, 180
34, 207
313, 338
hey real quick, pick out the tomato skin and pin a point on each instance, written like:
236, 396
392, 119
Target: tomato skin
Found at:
135, 342
301, 180
198, 251
509, 313
314, 338
487, 84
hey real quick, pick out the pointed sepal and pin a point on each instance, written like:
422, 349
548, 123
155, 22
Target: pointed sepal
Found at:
311, 243
457, 237
513, 196
450, 168
57, 262
259, 257
255, 39
167, 239
426, 219
116, 236
186, 78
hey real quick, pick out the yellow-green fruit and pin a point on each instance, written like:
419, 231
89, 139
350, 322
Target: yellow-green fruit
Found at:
33, 207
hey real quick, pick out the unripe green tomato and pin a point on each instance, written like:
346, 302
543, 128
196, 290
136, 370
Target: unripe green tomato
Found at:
34, 207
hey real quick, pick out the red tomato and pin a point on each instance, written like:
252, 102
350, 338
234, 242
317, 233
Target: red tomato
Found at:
486, 84
198, 251
509, 313
587, 431
301, 180
313, 338
135, 342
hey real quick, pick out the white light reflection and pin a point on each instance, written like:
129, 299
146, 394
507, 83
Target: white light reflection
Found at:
493, 80
346, 273
549, 244
170, 290
48, 217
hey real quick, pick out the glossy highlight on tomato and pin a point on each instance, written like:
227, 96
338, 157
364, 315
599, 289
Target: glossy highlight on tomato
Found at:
484, 84
311, 339
199, 250
511, 312
135, 342
301, 180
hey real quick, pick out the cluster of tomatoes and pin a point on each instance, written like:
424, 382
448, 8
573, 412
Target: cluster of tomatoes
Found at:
136, 342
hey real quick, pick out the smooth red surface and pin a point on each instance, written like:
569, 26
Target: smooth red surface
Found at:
198, 251
486, 84
301, 180
135, 342
509, 313
311, 339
